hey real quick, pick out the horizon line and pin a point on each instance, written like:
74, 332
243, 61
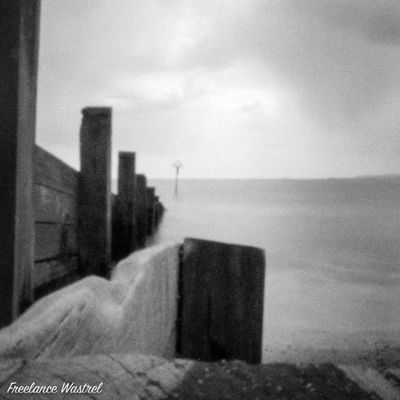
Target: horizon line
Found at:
381, 176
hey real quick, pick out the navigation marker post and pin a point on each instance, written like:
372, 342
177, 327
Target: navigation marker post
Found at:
177, 165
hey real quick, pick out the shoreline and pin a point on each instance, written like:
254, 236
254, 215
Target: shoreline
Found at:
368, 349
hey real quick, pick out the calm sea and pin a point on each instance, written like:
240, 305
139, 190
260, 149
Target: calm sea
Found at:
333, 256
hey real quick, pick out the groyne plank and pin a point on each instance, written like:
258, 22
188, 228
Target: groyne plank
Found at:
54, 173
95, 191
19, 32
150, 201
125, 227
140, 209
133, 376
117, 376
55, 199
55, 240
222, 287
371, 381
47, 271
135, 311
54, 206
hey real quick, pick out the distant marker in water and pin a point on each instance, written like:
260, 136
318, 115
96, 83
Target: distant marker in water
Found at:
177, 165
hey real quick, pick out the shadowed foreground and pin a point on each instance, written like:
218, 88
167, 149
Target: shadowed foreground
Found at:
145, 377
86, 342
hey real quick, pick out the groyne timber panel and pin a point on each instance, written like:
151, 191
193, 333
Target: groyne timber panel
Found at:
132, 376
222, 289
56, 221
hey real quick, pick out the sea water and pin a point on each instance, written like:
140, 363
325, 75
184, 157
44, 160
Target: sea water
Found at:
332, 284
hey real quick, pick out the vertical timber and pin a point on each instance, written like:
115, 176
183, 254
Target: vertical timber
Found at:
150, 199
125, 240
141, 210
95, 191
222, 298
19, 32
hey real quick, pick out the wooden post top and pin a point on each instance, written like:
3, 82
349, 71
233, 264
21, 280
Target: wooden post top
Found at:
126, 175
95, 190
97, 112
127, 155
141, 179
141, 185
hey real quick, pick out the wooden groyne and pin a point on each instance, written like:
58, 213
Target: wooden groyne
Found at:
130, 376
81, 227
62, 226
88, 339
159, 300
133, 312
19, 24
57, 223
222, 301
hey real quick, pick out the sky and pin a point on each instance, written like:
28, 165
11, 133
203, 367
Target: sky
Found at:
232, 89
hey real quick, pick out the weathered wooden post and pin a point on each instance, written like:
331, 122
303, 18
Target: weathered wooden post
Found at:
114, 227
222, 296
95, 191
125, 227
177, 165
19, 32
141, 209
150, 196
159, 210
156, 210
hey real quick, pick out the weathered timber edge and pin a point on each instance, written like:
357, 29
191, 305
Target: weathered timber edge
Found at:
137, 376
222, 300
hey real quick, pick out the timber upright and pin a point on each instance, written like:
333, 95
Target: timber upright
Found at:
19, 30
95, 191
221, 301
151, 219
125, 226
141, 209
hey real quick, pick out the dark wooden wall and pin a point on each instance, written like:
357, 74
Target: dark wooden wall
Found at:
60, 253
19, 33
56, 222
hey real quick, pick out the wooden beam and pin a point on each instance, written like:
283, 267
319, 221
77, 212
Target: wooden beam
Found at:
125, 227
137, 376
53, 206
55, 241
49, 271
54, 173
222, 296
159, 210
95, 191
141, 210
19, 32
150, 200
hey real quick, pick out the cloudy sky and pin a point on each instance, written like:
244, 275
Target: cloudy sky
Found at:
233, 89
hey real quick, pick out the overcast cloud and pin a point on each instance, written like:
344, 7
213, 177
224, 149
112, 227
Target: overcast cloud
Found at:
236, 89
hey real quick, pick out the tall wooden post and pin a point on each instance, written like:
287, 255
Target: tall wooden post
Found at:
156, 210
141, 209
222, 297
19, 36
95, 191
150, 197
125, 232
